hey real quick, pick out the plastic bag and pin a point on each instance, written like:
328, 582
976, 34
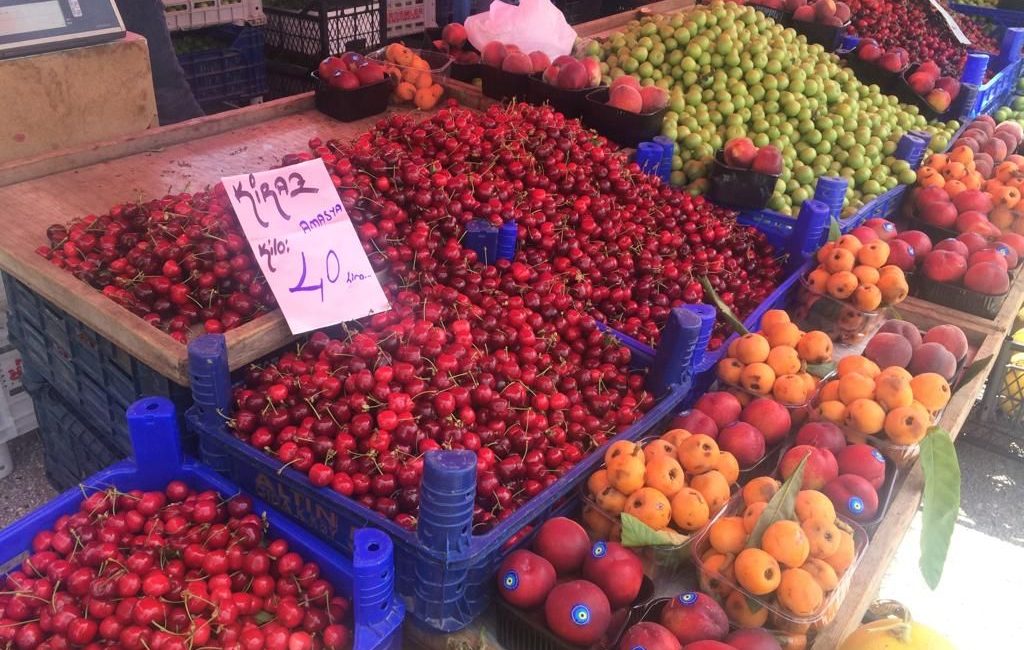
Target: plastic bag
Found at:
533, 25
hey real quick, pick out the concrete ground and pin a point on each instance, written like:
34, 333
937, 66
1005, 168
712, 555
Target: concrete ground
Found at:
975, 606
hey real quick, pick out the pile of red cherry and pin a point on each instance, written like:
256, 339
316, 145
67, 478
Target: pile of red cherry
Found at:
168, 570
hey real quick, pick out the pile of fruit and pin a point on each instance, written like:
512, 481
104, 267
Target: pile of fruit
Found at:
858, 272
350, 70
508, 57
732, 72
412, 76
919, 28
454, 42
172, 569
741, 153
627, 94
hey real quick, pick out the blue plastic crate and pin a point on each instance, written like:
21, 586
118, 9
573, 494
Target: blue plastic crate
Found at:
998, 90
366, 576
234, 72
447, 584
1000, 17
93, 375
881, 207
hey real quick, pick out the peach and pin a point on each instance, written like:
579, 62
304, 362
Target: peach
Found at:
572, 76
889, 349
694, 617
953, 245
754, 637
1013, 240
593, 67
769, 417
973, 201
988, 278
624, 80
941, 214
493, 54
972, 240
999, 253
853, 496
921, 83
905, 329
863, 460
820, 468
744, 442
720, 406
939, 100
654, 98
626, 98
739, 152
696, 421
945, 266
882, 227
824, 435
517, 63
539, 60
972, 221
901, 253
921, 243
949, 336
767, 161
933, 357
864, 234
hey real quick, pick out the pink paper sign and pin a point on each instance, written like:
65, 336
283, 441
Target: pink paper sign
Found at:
306, 245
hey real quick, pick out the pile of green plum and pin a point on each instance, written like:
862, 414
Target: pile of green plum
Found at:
732, 72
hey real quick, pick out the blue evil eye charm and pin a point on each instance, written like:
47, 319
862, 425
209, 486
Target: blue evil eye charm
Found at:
580, 614
600, 549
510, 581
687, 598
856, 505
878, 455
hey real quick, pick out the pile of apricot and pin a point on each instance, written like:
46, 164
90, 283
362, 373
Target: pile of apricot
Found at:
858, 273
774, 360
868, 401
790, 571
679, 481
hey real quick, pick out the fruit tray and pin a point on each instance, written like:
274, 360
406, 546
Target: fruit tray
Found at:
566, 102
622, 127
444, 571
744, 189
997, 91
351, 105
92, 375
819, 619
366, 575
839, 319
503, 86
958, 108
957, 297
518, 628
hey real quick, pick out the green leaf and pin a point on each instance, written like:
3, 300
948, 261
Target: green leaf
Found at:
781, 506
262, 617
637, 533
979, 366
893, 314
834, 231
734, 322
941, 502
821, 370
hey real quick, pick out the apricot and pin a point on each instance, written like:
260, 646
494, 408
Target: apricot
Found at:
793, 390
874, 254
932, 390
627, 474
782, 334
427, 98
865, 416
889, 349
815, 347
799, 592
824, 251
675, 437
893, 391
829, 392
854, 386
785, 541
933, 358
610, 500
757, 571
784, 360
867, 297
728, 466
857, 364
690, 512
850, 243
896, 371
698, 454
839, 259
751, 514
714, 487
598, 524
822, 572
832, 411
822, 535
621, 449
741, 614
773, 317
758, 378
718, 573
727, 535
729, 371
665, 474
930, 177
866, 274
894, 287
906, 425
841, 285
761, 488
954, 187
598, 481
844, 554
650, 506
817, 281
812, 504
659, 447
752, 348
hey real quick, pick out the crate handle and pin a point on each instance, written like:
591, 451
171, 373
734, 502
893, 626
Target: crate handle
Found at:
156, 439
683, 341
210, 378
373, 571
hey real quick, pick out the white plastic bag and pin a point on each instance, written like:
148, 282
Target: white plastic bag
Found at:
533, 25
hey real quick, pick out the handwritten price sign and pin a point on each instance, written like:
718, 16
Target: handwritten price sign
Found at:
306, 245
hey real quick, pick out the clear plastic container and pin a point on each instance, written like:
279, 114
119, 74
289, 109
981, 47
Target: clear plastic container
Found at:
440, 63
902, 455
711, 582
843, 322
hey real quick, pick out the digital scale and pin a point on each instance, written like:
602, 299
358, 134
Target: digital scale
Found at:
37, 26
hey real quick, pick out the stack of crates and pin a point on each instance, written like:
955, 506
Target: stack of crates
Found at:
196, 14
223, 65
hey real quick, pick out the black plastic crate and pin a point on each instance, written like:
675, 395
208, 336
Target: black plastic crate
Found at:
223, 64
998, 420
305, 33
98, 379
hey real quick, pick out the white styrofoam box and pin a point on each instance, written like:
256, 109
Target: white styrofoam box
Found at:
193, 14
410, 16
17, 413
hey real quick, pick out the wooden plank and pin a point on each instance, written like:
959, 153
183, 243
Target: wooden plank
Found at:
608, 24
148, 166
894, 526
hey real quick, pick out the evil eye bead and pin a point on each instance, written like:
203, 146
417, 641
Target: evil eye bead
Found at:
855, 505
688, 598
580, 614
510, 581
878, 455
600, 549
